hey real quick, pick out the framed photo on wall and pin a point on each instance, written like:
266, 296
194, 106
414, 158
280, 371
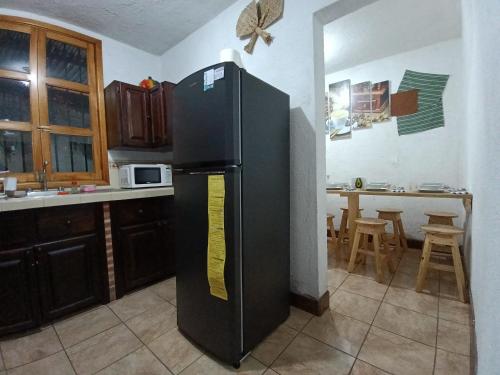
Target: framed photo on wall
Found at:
381, 102
361, 105
339, 119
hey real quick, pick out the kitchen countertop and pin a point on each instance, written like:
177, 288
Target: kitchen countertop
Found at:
101, 195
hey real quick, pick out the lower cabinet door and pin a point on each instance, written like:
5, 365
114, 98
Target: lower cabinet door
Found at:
19, 306
144, 254
69, 275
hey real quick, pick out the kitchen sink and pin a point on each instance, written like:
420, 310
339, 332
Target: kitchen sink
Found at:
38, 194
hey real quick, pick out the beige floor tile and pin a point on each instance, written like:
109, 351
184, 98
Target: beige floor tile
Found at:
339, 331
411, 300
56, 364
333, 264
397, 354
270, 372
364, 286
135, 304
411, 269
450, 363
335, 278
269, 349
448, 289
32, 347
412, 255
453, 337
85, 325
368, 270
100, 351
298, 318
454, 311
363, 368
354, 305
154, 322
174, 350
306, 355
404, 322
2, 367
140, 362
165, 289
174, 302
207, 365
403, 280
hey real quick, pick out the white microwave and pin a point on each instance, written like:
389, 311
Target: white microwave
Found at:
136, 176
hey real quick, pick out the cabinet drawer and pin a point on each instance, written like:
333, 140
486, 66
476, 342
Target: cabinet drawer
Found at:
137, 211
60, 222
17, 229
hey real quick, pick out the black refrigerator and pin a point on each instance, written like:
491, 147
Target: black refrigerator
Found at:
231, 161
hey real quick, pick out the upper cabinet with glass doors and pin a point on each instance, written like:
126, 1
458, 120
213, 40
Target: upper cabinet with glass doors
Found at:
51, 104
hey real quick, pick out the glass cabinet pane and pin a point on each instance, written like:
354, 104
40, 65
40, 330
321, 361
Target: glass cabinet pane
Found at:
16, 153
68, 108
14, 51
71, 153
14, 100
65, 61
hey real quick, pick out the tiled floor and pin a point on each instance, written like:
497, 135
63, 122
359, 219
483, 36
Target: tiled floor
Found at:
371, 329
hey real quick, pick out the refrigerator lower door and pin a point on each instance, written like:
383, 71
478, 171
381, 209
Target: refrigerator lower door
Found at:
206, 319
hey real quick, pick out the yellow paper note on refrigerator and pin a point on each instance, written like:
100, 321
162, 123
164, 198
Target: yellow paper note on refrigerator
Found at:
216, 257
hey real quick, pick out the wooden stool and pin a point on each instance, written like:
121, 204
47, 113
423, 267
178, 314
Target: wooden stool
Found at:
375, 228
398, 238
343, 230
330, 234
444, 218
443, 235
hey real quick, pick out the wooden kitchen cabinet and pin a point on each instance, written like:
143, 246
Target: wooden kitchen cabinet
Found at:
137, 117
19, 299
143, 254
69, 275
143, 243
57, 268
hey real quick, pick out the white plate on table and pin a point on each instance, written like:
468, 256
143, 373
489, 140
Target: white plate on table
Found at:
377, 186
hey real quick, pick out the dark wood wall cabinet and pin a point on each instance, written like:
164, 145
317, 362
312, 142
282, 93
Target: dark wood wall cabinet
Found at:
52, 263
143, 242
138, 118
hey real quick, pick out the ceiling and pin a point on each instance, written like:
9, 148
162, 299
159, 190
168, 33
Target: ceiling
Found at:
389, 27
153, 26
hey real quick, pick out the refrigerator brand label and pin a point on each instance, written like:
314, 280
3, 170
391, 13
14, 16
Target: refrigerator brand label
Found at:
208, 80
216, 252
219, 73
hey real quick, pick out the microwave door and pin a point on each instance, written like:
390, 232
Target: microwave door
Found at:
144, 176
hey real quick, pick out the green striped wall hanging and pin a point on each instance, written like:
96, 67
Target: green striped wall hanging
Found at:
430, 113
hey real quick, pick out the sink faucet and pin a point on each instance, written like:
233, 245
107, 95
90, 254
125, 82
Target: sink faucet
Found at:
42, 176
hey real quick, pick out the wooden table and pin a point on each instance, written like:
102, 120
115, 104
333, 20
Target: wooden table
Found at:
353, 202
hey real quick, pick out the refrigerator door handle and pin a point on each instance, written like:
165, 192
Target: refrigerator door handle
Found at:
206, 172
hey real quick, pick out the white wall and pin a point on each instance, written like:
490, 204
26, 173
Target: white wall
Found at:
287, 64
379, 154
121, 62
482, 62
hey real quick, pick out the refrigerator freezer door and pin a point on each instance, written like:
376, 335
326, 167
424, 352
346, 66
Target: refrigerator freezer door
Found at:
206, 129
209, 321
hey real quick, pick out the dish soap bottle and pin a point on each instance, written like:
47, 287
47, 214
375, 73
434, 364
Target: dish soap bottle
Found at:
74, 187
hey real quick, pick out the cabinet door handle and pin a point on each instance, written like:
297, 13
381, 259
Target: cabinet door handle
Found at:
68, 222
140, 210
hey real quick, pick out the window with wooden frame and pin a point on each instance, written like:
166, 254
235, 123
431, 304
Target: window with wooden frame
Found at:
51, 104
